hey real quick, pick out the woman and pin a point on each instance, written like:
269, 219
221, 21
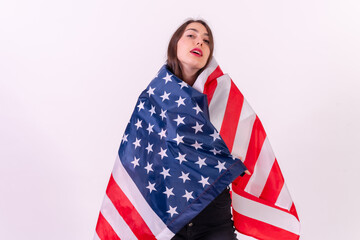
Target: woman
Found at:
190, 50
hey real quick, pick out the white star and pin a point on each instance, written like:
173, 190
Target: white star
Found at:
220, 166
165, 172
178, 139
167, 78
124, 139
149, 168
188, 195
162, 114
141, 105
150, 91
181, 158
201, 162
198, 127
183, 84
165, 96
179, 120
180, 101
197, 109
150, 128
152, 110
151, 186
196, 145
137, 143
204, 181
184, 176
215, 135
138, 124
162, 133
162, 153
169, 192
172, 211
214, 151
149, 148
136, 162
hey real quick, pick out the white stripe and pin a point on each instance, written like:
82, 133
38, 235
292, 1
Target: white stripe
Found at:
115, 220
265, 214
156, 225
262, 170
243, 131
201, 79
284, 199
219, 101
96, 237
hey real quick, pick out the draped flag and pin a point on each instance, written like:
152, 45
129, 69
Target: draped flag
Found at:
171, 164
262, 206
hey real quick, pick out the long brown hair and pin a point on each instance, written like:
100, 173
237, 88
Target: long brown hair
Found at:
172, 60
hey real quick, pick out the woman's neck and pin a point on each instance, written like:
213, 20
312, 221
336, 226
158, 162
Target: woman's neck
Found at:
189, 76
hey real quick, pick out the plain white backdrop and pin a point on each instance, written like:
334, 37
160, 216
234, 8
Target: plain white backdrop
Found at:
71, 71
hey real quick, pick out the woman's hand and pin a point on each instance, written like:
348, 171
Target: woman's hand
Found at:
246, 171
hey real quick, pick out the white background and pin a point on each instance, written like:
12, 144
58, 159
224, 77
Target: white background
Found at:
71, 71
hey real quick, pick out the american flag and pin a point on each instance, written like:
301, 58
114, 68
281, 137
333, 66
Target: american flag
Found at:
172, 162
262, 205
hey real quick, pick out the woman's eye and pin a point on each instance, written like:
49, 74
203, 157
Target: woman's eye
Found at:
206, 41
190, 35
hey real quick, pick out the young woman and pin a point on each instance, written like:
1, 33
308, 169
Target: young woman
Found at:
190, 50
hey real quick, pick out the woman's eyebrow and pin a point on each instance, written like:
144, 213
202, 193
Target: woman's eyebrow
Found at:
196, 31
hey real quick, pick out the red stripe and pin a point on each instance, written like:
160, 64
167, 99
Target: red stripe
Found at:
209, 89
261, 230
104, 230
273, 184
231, 116
215, 74
293, 211
130, 215
257, 138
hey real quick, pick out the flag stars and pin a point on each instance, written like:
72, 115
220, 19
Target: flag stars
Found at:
188, 195
162, 153
197, 145
149, 148
138, 124
152, 110
165, 173
165, 96
124, 139
180, 101
162, 133
162, 114
167, 78
136, 162
198, 127
183, 84
201, 162
178, 139
151, 187
172, 211
169, 192
140, 106
148, 168
179, 120
220, 166
204, 181
215, 151
197, 109
137, 143
181, 158
150, 91
150, 128
184, 176
215, 135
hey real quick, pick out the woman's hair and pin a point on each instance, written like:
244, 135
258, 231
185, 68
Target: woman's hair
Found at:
172, 60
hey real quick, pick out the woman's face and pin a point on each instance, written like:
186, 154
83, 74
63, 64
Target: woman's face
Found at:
193, 47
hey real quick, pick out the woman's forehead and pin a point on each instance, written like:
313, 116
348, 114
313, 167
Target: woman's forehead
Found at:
197, 27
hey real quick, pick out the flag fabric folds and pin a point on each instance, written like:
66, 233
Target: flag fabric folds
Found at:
262, 205
172, 162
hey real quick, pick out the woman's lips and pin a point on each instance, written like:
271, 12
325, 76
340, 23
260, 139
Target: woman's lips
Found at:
197, 52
